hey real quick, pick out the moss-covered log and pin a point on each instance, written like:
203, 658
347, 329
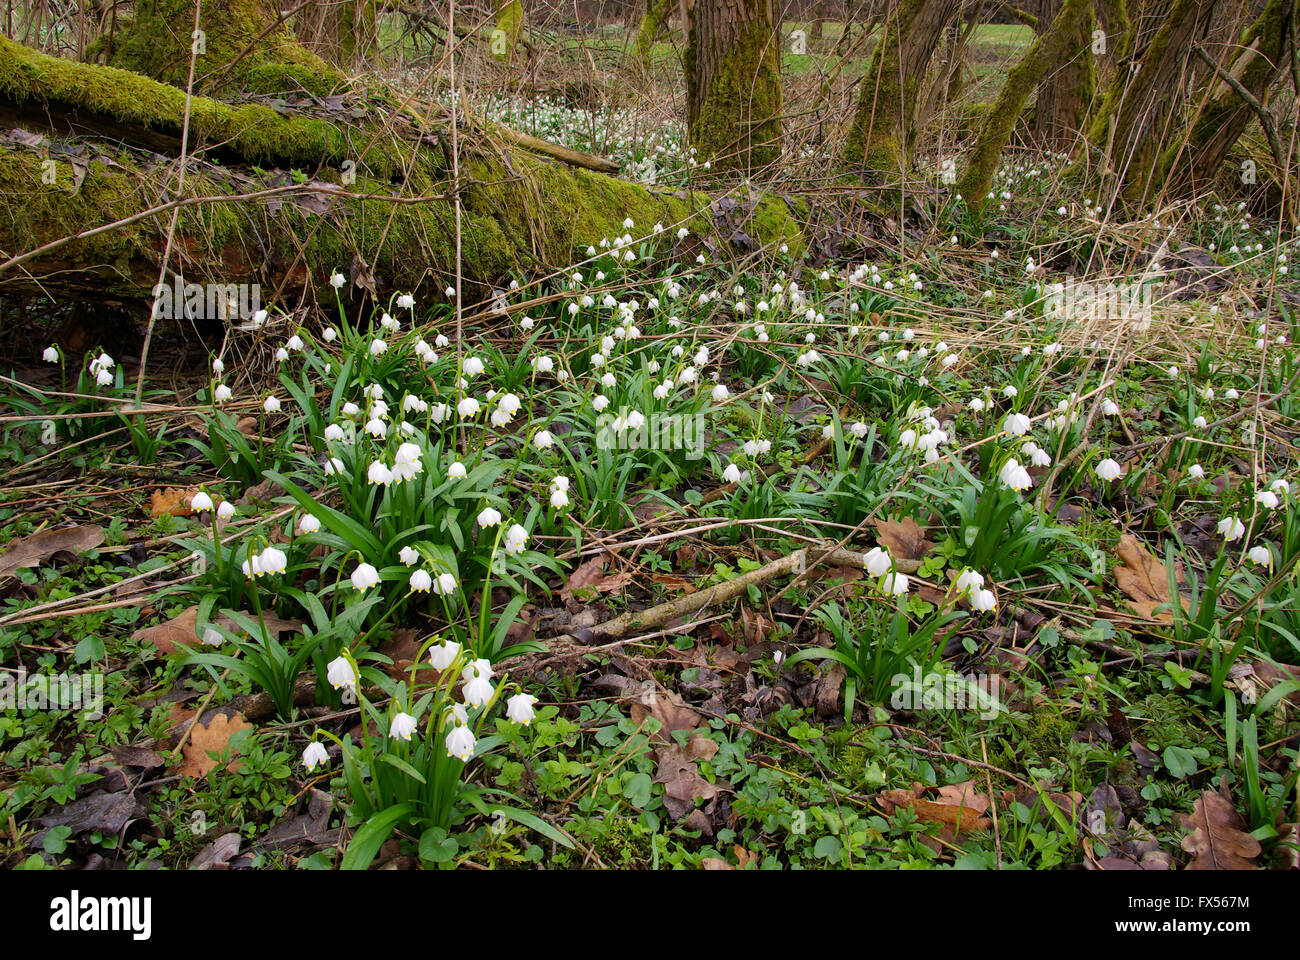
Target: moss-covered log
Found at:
733, 83
1059, 43
883, 128
521, 213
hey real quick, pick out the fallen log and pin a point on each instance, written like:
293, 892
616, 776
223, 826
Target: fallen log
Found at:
374, 189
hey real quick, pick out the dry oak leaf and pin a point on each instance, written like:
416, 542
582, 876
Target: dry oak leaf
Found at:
903, 538
34, 550
958, 806
214, 737
181, 630
590, 579
173, 500
671, 712
1217, 840
1145, 579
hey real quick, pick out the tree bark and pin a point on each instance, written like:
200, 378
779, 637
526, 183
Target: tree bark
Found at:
1065, 94
358, 32
883, 130
733, 83
652, 24
1264, 54
1144, 104
1059, 42
509, 28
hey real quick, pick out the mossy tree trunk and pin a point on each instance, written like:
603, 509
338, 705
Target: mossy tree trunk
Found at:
241, 45
883, 128
733, 83
1059, 43
1264, 53
1066, 92
652, 24
509, 28
1113, 25
1143, 109
358, 32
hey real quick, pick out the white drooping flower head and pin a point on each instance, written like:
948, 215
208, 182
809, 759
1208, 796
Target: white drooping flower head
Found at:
519, 708
364, 577
402, 726
314, 756
340, 674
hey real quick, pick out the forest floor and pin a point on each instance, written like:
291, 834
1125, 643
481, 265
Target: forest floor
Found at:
945, 558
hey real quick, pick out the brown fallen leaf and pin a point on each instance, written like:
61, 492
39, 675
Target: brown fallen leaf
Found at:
679, 772
263, 492
959, 807
34, 550
173, 500
903, 538
181, 631
215, 737
1272, 674
100, 811
218, 854
754, 625
673, 582
1218, 840
589, 579
1144, 579
671, 712
828, 690
141, 757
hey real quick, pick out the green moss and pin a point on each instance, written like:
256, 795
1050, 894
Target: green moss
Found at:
284, 78
652, 22
358, 31
158, 41
528, 219
510, 21
876, 135
1224, 118
256, 133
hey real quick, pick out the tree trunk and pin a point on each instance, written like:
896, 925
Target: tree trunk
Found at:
652, 23
1264, 53
882, 131
1144, 105
1113, 24
1065, 94
358, 32
509, 28
1060, 42
733, 83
